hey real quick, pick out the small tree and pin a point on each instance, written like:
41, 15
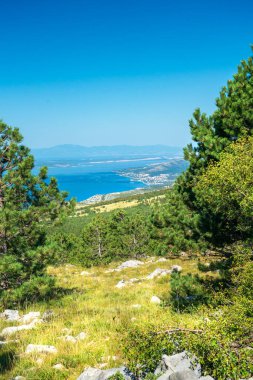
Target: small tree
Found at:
28, 203
224, 195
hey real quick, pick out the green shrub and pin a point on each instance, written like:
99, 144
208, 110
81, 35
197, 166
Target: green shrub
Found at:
117, 376
144, 346
36, 289
186, 292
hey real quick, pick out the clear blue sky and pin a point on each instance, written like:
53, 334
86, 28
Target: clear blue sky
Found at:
104, 72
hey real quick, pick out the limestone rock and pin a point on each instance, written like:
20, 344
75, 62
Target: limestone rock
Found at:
13, 329
130, 264
90, 374
161, 260
98, 374
81, 336
158, 272
155, 300
59, 366
121, 284
207, 378
182, 362
69, 338
19, 378
40, 348
27, 318
10, 315
164, 376
183, 375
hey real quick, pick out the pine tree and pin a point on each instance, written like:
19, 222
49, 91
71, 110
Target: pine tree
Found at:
232, 120
28, 203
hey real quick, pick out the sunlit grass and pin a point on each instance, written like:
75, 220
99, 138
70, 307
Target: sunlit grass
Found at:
96, 307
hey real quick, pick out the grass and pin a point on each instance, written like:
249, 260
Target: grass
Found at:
99, 309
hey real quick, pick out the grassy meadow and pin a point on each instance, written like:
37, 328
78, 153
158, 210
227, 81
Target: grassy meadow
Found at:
95, 306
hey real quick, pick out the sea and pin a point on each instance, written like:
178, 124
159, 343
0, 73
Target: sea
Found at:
83, 179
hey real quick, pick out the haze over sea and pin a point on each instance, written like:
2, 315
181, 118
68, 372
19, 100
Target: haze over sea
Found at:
85, 172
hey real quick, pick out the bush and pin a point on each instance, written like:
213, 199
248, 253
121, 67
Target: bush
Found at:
36, 289
186, 292
144, 347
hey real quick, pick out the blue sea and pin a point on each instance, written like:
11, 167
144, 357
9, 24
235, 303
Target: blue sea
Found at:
85, 178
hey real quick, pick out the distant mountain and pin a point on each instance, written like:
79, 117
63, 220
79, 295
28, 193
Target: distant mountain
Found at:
73, 152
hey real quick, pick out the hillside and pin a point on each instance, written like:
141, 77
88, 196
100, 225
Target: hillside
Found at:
95, 306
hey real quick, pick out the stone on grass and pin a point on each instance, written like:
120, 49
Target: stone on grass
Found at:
59, 366
10, 315
155, 300
183, 375
120, 284
69, 338
85, 273
13, 329
40, 348
19, 378
207, 378
130, 264
161, 260
158, 272
29, 317
81, 336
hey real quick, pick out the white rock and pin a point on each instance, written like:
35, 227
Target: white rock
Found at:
161, 260
13, 329
69, 338
176, 268
155, 300
59, 366
90, 374
40, 348
81, 336
158, 272
121, 284
10, 315
19, 378
27, 318
130, 264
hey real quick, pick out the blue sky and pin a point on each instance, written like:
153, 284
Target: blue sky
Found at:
103, 72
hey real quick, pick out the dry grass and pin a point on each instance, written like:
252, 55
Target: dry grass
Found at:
96, 307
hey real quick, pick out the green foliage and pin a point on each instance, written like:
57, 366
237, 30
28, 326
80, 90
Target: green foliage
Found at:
224, 195
232, 120
187, 292
224, 348
106, 237
175, 226
28, 203
117, 376
35, 289
144, 347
